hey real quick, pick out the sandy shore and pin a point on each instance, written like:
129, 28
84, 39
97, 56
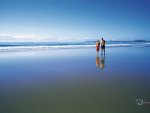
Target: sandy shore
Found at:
75, 81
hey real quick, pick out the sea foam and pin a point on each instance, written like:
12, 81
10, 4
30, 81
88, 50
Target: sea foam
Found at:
30, 46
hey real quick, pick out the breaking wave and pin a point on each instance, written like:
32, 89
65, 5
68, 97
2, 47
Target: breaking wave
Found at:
29, 46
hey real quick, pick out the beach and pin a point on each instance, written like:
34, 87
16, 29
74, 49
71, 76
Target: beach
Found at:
75, 80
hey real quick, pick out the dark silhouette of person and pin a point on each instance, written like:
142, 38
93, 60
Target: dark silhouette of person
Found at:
102, 43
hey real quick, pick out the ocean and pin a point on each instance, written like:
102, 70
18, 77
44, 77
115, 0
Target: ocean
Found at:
29, 46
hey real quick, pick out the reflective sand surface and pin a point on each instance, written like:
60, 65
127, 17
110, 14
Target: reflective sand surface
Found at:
75, 81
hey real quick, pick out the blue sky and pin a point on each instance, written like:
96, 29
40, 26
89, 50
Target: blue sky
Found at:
74, 19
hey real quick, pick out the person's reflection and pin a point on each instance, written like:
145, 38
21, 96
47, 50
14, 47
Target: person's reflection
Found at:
100, 61
97, 61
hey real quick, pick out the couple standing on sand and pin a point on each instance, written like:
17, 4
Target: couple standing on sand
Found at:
102, 44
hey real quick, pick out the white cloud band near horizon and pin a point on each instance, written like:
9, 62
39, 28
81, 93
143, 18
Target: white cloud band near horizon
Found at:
48, 38
37, 38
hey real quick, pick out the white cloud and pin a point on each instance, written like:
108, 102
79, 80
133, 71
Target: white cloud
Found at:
37, 38
21, 37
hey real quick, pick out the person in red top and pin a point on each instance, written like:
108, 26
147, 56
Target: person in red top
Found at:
97, 45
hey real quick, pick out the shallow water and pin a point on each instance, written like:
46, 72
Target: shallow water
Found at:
68, 81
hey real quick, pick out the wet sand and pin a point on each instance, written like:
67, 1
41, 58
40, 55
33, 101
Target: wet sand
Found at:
75, 81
